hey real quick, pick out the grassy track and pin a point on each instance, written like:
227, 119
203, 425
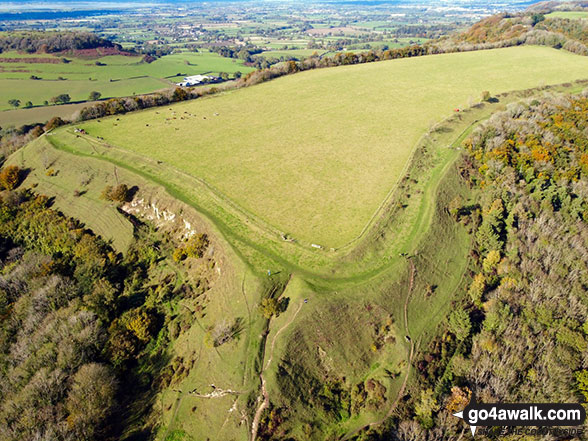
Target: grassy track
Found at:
314, 154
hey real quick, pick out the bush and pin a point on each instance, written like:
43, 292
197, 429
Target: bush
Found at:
197, 245
118, 193
269, 308
54, 123
179, 254
10, 177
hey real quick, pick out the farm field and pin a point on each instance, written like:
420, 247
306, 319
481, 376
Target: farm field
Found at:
116, 75
270, 148
19, 117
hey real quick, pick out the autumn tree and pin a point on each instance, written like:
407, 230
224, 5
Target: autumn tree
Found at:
118, 193
91, 399
10, 177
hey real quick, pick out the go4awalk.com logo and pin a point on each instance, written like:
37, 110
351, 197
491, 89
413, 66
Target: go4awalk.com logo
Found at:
522, 414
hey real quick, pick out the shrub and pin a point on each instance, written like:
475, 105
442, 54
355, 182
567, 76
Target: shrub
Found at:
197, 245
10, 177
54, 123
118, 193
179, 254
269, 308
140, 324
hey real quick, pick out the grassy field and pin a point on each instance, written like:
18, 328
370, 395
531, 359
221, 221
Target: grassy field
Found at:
287, 152
116, 76
568, 14
18, 117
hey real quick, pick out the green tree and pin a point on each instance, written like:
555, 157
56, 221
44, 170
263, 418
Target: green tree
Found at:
140, 323
491, 261
477, 289
269, 307
460, 324
537, 18
14, 103
28, 104
94, 96
425, 407
582, 382
63, 98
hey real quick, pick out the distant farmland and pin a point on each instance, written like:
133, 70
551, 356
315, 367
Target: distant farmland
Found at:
315, 154
113, 76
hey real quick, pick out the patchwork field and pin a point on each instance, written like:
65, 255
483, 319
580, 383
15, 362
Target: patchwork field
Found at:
287, 152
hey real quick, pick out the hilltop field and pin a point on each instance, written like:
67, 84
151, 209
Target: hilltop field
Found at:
315, 154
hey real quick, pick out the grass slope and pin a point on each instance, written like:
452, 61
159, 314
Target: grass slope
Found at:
314, 154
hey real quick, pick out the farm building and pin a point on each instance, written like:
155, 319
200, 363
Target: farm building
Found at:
194, 80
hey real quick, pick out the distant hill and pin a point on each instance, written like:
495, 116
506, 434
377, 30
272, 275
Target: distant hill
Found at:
534, 26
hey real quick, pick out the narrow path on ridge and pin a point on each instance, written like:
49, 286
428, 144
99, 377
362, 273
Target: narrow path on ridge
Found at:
264, 395
400, 393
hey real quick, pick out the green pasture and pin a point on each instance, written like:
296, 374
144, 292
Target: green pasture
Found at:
39, 91
116, 76
299, 54
41, 114
315, 154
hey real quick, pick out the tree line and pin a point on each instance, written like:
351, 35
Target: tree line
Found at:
51, 42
